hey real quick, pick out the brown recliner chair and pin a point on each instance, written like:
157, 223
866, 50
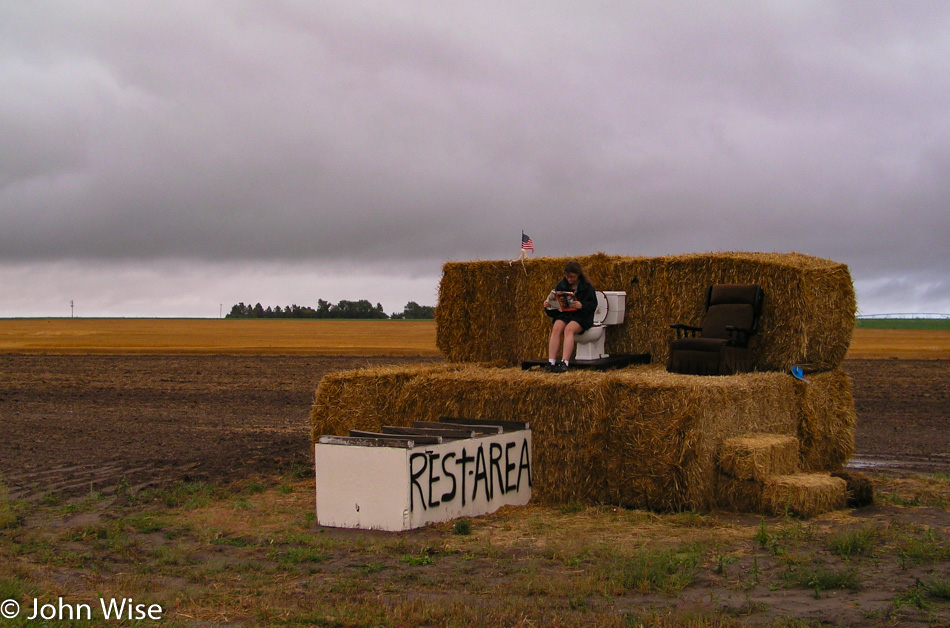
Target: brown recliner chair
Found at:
721, 345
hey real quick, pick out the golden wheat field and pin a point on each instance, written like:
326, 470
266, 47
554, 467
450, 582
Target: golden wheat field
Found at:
224, 336
328, 337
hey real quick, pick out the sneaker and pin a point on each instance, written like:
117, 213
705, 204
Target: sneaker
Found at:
549, 368
560, 367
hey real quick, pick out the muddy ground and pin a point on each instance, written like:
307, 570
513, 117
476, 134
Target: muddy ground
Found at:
75, 424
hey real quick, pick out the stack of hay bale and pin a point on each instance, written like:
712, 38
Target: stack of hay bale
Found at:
491, 310
759, 473
636, 437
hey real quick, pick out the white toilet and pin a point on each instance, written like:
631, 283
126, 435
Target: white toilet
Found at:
610, 311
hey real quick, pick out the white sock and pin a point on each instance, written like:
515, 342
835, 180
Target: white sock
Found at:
551, 361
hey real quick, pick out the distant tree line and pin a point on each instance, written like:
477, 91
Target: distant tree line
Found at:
325, 309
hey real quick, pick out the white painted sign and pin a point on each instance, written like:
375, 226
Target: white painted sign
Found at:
397, 484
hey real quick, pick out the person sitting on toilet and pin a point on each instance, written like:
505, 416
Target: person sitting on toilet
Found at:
569, 322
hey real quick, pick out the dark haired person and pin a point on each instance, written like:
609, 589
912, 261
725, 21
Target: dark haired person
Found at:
569, 322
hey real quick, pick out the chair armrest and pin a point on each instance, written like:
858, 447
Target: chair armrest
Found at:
685, 331
739, 335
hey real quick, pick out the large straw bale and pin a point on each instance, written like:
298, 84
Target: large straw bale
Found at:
566, 415
758, 456
638, 437
803, 494
363, 399
667, 429
491, 310
828, 420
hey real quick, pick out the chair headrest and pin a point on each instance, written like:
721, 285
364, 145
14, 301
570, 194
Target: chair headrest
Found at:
723, 293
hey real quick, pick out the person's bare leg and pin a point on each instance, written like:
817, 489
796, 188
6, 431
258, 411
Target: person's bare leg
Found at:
555, 341
570, 330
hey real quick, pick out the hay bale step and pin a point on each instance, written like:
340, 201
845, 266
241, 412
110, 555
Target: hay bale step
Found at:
734, 495
803, 494
758, 456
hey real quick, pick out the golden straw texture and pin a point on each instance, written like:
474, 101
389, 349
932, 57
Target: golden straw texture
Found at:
803, 494
491, 310
759, 456
638, 437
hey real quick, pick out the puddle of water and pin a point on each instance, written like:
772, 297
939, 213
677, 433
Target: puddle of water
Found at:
866, 462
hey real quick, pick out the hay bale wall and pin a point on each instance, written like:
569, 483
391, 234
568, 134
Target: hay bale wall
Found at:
638, 437
668, 428
491, 310
826, 431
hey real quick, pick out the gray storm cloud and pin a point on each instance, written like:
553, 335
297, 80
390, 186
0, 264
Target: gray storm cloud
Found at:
374, 136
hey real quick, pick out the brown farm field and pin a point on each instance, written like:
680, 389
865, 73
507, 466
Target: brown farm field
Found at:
169, 461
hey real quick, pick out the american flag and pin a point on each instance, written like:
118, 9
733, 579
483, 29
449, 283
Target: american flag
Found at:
527, 244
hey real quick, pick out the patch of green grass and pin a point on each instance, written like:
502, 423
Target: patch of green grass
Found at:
232, 541
666, 571
11, 588
769, 539
926, 548
51, 499
914, 596
299, 468
144, 523
189, 495
462, 527
941, 478
124, 486
254, 488
722, 561
90, 533
12, 511
937, 588
171, 556
780, 538
571, 508
369, 568
417, 560
922, 497
692, 519
822, 578
50, 552
898, 500
294, 556
852, 543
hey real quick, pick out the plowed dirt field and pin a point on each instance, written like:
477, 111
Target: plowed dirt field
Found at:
73, 424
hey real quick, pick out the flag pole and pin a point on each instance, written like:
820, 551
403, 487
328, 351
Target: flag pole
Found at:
524, 255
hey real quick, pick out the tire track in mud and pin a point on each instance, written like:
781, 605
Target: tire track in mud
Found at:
100, 480
75, 425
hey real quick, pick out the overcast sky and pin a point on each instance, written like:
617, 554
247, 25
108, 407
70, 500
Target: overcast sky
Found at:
174, 158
